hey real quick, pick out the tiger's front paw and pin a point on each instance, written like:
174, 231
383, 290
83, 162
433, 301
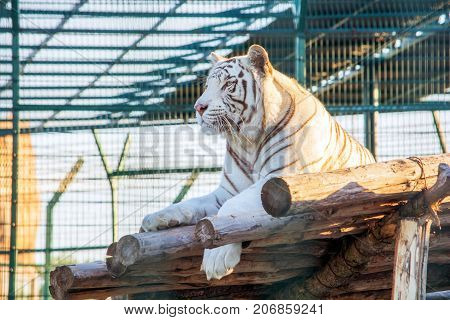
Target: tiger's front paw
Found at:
220, 262
167, 218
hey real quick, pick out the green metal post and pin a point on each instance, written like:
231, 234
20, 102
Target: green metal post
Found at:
300, 43
15, 149
187, 186
112, 180
49, 222
440, 131
371, 97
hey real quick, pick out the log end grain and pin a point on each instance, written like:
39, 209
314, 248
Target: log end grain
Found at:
205, 233
276, 197
127, 250
62, 277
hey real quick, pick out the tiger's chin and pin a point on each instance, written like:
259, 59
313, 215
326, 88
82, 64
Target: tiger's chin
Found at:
207, 128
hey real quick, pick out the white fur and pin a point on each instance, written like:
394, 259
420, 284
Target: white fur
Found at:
279, 94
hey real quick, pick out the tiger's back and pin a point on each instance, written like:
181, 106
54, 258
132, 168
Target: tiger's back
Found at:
296, 134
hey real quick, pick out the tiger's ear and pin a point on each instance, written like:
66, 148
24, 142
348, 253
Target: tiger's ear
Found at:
259, 59
215, 57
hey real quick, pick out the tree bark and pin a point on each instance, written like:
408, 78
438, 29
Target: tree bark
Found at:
376, 183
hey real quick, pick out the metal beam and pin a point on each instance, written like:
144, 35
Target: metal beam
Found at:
31, 250
15, 150
300, 41
181, 60
205, 30
49, 222
112, 186
115, 47
139, 172
348, 32
50, 35
224, 14
334, 110
368, 59
117, 59
222, 42
440, 132
422, 106
66, 129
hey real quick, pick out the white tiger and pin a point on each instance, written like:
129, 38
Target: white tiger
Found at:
273, 127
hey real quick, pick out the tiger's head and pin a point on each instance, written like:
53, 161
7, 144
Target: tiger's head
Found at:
232, 101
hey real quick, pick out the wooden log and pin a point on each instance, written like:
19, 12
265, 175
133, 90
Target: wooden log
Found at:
412, 243
221, 230
364, 283
384, 281
351, 260
316, 248
264, 247
95, 275
73, 276
152, 247
385, 262
171, 258
191, 282
104, 293
376, 183
259, 261
179, 242
218, 231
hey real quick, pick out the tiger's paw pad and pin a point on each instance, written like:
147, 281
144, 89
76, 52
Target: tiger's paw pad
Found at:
160, 220
220, 262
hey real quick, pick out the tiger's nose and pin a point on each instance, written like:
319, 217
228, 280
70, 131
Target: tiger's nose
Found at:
201, 108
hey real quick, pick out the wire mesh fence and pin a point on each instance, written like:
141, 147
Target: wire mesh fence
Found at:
98, 97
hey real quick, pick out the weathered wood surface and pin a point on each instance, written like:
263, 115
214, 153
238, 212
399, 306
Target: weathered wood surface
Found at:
411, 256
92, 280
364, 283
218, 231
148, 247
178, 283
266, 230
174, 242
355, 254
376, 183
437, 275
276, 249
412, 242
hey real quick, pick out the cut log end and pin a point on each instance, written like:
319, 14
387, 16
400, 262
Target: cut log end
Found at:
111, 251
62, 277
128, 250
205, 233
116, 268
276, 197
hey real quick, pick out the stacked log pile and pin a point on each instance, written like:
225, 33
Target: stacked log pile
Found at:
312, 217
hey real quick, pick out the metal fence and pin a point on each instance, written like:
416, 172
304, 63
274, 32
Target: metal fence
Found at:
96, 122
